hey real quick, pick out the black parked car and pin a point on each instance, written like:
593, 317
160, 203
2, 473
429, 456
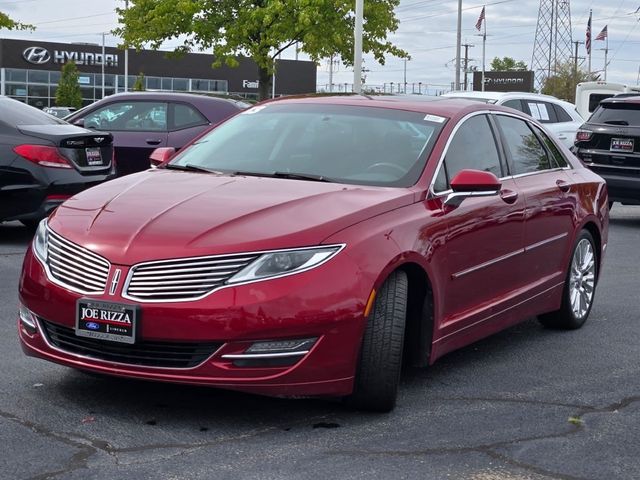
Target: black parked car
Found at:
44, 161
609, 144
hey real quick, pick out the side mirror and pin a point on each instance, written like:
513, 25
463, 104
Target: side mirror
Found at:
472, 183
161, 155
79, 122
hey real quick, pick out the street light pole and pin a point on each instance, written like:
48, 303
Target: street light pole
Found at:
458, 45
102, 62
357, 47
126, 57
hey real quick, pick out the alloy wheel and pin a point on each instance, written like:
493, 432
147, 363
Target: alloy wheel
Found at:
582, 278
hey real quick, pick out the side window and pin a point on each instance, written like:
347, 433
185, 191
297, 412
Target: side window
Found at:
562, 114
527, 153
472, 147
515, 104
557, 159
185, 116
133, 116
541, 111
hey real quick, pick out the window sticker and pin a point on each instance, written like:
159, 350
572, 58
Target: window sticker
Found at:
538, 111
253, 110
434, 118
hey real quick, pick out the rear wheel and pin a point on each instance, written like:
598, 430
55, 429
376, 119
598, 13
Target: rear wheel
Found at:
378, 373
579, 288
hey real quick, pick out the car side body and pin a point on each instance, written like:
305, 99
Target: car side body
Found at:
143, 121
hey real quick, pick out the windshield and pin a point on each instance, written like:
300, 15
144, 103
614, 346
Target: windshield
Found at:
339, 143
18, 113
617, 114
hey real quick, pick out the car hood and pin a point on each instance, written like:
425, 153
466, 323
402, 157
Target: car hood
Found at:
161, 214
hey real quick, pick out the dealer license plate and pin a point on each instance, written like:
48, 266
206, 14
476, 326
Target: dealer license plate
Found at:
621, 145
116, 322
94, 157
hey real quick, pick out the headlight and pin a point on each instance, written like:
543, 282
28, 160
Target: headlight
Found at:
41, 241
276, 264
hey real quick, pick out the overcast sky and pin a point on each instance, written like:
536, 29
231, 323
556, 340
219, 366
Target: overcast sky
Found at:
427, 31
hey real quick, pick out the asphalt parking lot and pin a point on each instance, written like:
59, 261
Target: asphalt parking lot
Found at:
528, 403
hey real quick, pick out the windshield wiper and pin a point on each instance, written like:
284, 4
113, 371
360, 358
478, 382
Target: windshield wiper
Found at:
302, 176
290, 175
190, 167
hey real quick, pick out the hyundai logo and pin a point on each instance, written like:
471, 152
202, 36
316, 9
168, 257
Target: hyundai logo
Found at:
36, 55
92, 326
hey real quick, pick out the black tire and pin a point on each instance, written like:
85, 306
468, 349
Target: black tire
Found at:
566, 317
378, 371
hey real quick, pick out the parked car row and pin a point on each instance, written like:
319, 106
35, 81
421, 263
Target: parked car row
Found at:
312, 246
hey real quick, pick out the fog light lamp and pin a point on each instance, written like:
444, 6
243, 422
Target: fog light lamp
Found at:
282, 346
27, 320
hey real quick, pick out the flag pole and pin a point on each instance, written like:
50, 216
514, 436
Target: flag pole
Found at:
484, 48
606, 52
590, 35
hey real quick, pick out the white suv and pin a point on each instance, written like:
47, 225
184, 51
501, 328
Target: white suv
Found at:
561, 118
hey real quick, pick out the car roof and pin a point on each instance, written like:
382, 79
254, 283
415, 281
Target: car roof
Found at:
193, 97
495, 96
625, 98
441, 105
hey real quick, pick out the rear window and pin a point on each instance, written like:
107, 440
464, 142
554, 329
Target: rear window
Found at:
18, 113
617, 114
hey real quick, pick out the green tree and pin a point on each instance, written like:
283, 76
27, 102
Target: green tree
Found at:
138, 86
508, 64
68, 93
260, 29
8, 23
562, 83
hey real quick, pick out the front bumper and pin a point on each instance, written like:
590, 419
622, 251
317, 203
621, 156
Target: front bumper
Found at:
326, 303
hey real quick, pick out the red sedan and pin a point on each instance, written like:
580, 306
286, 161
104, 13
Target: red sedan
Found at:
305, 246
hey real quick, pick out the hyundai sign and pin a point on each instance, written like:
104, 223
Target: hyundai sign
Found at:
40, 56
504, 81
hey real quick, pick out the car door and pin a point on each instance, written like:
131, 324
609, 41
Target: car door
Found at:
541, 176
485, 238
185, 123
138, 127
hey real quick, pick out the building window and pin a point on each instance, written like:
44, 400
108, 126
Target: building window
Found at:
15, 75
180, 84
38, 76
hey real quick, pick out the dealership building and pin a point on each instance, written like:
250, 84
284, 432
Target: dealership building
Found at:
30, 71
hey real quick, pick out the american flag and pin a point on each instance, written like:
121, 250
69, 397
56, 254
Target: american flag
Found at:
603, 34
480, 20
587, 42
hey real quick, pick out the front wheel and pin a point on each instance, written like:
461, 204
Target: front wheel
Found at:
378, 371
579, 288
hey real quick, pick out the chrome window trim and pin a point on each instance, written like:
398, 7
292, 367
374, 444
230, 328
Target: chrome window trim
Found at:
107, 363
62, 284
339, 246
435, 194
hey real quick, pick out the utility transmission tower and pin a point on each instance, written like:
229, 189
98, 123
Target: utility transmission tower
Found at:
553, 41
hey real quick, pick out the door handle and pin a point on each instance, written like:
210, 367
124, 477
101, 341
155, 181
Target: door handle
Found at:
153, 141
562, 185
509, 196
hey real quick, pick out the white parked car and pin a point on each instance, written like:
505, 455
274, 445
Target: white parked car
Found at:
561, 118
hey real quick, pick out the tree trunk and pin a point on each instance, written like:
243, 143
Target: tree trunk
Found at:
264, 90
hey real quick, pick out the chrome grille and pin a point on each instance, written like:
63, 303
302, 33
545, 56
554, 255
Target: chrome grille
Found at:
183, 279
74, 267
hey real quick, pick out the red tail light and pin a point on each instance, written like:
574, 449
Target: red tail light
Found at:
43, 155
583, 136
